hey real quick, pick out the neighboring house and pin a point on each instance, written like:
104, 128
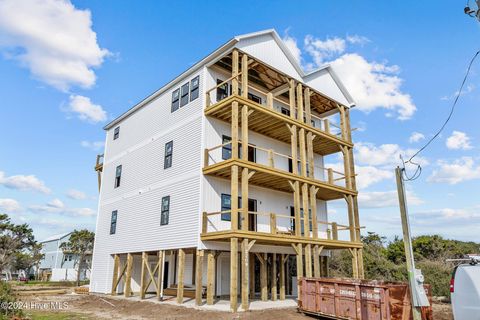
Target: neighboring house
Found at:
204, 183
57, 266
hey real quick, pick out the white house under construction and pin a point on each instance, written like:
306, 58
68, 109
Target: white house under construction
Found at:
215, 185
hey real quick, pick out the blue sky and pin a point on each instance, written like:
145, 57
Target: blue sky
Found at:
67, 68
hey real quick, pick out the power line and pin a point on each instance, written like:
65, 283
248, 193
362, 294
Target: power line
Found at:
418, 171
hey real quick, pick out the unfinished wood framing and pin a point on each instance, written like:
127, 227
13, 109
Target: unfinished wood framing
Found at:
198, 277
263, 276
117, 274
298, 251
210, 277
308, 260
161, 265
233, 274
306, 218
234, 198
274, 277
252, 275
283, 259
245, 220
128, 276
245, 270
181, 275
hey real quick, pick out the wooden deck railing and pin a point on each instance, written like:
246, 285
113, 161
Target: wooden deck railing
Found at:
272, 224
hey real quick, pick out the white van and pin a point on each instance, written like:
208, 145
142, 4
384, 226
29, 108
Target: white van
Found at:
465, 290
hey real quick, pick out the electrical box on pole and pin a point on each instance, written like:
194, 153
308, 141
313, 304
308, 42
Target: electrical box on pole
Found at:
415, 277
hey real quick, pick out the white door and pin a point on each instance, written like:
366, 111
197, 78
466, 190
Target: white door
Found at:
224, 274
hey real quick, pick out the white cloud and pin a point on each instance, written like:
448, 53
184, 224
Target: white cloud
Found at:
458, 140
416, 137
56, 206
291, 44
383, 155
23, 183
10, 205
373, 85
53, 39
459, 170
385, 199
85, 109
76, 194
94, 145
465, 91
366, 175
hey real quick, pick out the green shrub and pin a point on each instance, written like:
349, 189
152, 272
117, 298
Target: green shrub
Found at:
7, 296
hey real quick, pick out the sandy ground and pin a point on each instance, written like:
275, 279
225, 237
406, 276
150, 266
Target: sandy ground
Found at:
103, 307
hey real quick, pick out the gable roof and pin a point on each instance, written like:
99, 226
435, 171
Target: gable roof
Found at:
56, 237
218, 52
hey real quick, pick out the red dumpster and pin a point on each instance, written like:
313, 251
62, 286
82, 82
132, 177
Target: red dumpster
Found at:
358, 299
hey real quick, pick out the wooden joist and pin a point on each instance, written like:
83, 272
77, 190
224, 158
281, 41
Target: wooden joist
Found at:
198, 277
181, 275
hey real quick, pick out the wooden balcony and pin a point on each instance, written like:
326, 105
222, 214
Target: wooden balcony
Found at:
276, 229
274, 124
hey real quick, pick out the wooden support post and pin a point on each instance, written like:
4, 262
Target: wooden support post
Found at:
274, 277
324, 266
210, 277
263, 276
234, 198
271, 163
269, 100
251, 274
233, 274
343, 122
235, 72
308, 260
245, 133
282, 276
128, 276
313, 210
161, 264
346, 165
310, 155
244, 76
116, 267
204, 222
351, 218
334, 231
308, 112
306, 212
330, 175
142, 275
326, 125
303, 153
234, 128
273, 223
354, 262
181, 275
300, 114
297, 205
205, 157
291, 94
294, 146
299, 265
316, 261
198, 277
245, 213
245, 270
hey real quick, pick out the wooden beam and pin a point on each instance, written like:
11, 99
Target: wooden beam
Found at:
299, 267
291, 95
181, 275
280, 89
354, 263
142, 275
235, 71
161, 265
234, 128
351, 218
116, 267
303, 152
308, 112
198, 277
245, 271
234, 198
210, 277
274, 277
263, 277
310, 156
306, 218
282, 276
316, 261
297, 205
245, 133
313, 209
244, 75
294, 147
128, 276
233, 274
245, 213
300, 110
251, 274
334, 231
308, 260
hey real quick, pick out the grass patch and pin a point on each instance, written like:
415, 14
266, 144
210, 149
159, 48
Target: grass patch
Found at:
49, 283
46, 315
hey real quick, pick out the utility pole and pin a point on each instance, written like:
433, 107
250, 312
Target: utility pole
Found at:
415, 277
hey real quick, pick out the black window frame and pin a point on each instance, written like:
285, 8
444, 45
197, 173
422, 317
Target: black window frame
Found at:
165, 211
113, 222
227, 148
194, 88
285, 111
254, 98
118, 176
168, 157
175, 100
184, 91
226, 216
116, 133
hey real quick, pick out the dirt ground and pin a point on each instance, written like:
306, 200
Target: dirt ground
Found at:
102, 307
